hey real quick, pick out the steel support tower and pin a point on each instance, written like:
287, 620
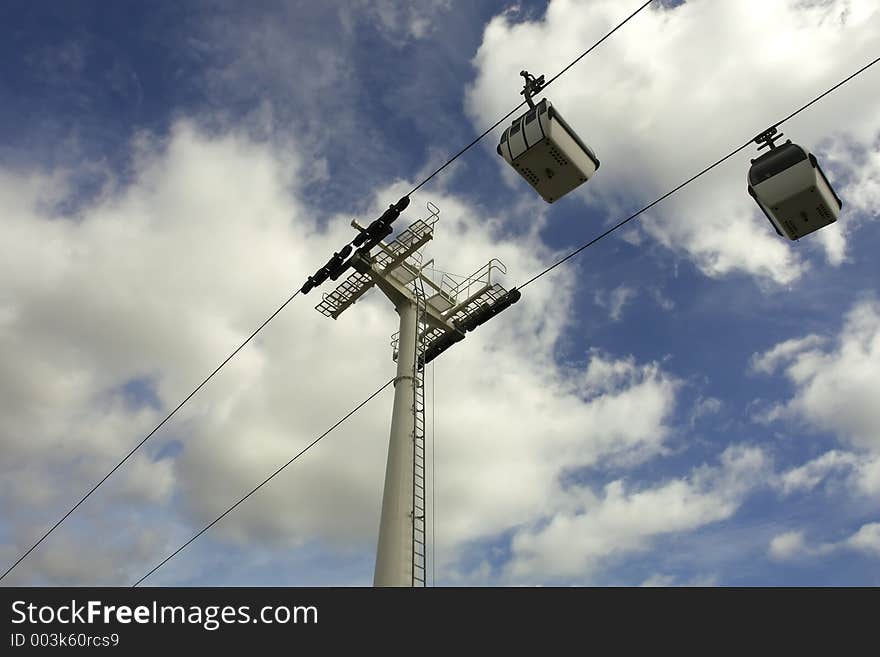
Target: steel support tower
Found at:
429, 324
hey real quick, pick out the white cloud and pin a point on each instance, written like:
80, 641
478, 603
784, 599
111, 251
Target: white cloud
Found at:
571, 544
663, 98
769, 361
836, 385
705, 407
808, 476
112, 553
160, 281
661, 580
867, 475
867, 539
856, 473
500, 456
836, 389
858, 165
787, 545
661, 299
615, 301
402, 22
792, 544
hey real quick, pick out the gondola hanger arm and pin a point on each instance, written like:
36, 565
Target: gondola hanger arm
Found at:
532, 85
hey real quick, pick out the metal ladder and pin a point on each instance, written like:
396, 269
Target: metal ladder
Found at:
419, 524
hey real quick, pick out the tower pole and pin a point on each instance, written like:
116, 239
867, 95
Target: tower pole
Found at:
397, 270
394, 552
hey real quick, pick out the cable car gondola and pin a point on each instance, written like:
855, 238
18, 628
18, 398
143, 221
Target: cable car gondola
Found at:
791, 189
543, 148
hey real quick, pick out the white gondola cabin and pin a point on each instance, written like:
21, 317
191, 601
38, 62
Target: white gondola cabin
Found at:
545, 151
792, 190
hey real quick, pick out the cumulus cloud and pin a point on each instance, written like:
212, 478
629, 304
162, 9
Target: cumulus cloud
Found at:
499, 468
867, 475
857, 473
858, 167
793, 544
867, 539
769, 361
110, 317
836, 389
808, 476
787, 545
571, 544
665, 96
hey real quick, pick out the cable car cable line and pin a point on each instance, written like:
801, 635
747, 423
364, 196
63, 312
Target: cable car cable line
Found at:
149, 435
536, 277
333, 269
692, 178
524, 102
539, 275
343, 260
371, 237
264, 482
516, 289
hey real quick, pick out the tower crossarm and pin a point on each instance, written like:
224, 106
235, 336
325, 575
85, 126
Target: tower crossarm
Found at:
394, 256
397, 263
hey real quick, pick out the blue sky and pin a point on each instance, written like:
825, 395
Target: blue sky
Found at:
689, 402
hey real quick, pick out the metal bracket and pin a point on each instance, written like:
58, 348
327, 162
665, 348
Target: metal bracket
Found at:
532, 85
768, 138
